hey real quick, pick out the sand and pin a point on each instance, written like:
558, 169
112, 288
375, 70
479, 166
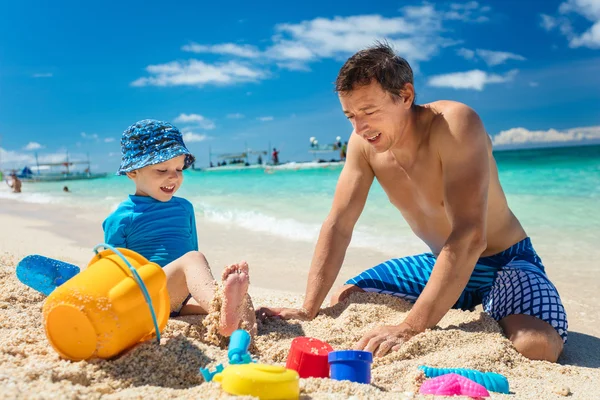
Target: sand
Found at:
30, 368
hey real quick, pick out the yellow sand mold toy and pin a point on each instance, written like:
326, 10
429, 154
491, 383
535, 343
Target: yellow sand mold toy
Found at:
260, 380
105, 309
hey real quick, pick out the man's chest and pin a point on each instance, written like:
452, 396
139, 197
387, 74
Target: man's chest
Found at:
416, 191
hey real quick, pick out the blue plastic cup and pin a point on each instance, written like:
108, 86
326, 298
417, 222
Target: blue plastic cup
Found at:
351, 365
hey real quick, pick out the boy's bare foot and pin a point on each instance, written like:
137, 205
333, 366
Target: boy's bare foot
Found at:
235, 287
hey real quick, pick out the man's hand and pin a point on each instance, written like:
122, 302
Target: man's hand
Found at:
382, 339
286, 313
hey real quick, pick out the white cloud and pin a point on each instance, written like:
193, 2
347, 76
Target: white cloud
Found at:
588, 9
466, 53
468, 12
474, 79
235, 116
548, 22
519, 136
191, 137
417, 34
195, 119
265, 119
490, 57
89, 135
33, 146
232, 49
43, 75
198, 73
109, 140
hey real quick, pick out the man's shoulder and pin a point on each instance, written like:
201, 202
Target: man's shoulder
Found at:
451, 113
454, 122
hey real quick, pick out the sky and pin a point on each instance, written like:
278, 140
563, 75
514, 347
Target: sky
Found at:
74, 75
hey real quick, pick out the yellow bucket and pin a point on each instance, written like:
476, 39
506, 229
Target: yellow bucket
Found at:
102, 311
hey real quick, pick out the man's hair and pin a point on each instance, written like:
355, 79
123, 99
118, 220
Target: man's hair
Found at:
379, 63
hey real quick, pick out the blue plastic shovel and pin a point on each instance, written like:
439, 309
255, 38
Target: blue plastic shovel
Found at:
44, 274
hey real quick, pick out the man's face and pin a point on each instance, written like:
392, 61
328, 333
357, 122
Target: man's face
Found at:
375, 116
159, 181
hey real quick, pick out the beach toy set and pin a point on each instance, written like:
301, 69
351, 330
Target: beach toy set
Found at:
121, 299
312, 358
118, 301
245, 377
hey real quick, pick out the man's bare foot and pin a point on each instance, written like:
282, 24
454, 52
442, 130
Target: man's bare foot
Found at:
235, 287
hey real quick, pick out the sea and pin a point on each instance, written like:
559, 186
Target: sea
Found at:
554, 192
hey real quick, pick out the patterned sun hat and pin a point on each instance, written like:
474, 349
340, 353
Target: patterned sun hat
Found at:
150, 142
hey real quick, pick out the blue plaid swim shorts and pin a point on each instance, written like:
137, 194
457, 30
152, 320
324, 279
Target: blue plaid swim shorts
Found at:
511, 282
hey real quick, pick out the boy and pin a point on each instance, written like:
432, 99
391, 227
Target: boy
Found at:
162, 227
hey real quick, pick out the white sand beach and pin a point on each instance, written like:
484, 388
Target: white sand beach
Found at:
31, 369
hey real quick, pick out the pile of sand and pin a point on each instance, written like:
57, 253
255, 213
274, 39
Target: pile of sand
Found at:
29, 367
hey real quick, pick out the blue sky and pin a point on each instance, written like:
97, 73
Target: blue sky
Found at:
74, 75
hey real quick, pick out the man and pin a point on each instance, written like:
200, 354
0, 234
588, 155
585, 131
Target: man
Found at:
435, 163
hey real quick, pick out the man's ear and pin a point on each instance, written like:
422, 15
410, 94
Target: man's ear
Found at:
131, 174
407, 93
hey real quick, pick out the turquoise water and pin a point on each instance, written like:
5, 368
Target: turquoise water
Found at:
555, 191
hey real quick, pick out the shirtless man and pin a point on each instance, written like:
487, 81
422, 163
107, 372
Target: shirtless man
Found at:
436, 165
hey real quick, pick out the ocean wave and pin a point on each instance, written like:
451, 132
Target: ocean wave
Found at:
301, 231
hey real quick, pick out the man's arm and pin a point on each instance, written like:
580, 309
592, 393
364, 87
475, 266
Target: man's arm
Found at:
348, 203
464, 159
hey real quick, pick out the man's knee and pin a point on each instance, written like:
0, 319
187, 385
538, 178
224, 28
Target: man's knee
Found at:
538, 346
532, 337
343, 292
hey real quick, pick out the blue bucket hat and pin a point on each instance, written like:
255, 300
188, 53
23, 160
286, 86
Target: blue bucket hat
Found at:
150, 142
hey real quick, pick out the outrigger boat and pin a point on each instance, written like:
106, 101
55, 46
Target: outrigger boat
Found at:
35, 174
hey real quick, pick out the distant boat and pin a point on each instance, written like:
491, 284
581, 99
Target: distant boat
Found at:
45, 172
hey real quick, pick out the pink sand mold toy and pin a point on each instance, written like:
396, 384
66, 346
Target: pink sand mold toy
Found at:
490, 380
453, 385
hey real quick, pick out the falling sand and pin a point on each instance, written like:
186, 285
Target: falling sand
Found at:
30, 368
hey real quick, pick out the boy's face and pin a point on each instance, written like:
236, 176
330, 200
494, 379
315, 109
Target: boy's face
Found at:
159, 181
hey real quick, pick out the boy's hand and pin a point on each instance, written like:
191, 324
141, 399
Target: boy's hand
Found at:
286, 313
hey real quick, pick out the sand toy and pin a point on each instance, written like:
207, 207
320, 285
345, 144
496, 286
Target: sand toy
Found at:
119, 300
453, 385
351, 365
44, 274
260, 380
239, 342
308, 356
490, 380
